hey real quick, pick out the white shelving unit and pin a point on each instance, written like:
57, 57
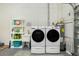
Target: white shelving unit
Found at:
17, 31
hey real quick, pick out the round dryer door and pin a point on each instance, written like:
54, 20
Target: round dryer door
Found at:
53, 35
38, 35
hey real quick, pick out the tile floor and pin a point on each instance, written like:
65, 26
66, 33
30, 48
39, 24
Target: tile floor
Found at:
25, 52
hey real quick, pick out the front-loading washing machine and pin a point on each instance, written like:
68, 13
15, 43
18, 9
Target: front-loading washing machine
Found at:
52, 39
38, 39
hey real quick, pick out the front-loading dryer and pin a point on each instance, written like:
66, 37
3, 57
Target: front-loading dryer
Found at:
38, 39
52, 39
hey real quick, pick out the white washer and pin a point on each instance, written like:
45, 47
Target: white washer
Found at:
38, 39
52, 39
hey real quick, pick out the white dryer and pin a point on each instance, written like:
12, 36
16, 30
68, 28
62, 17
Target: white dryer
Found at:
52, 39
38, 39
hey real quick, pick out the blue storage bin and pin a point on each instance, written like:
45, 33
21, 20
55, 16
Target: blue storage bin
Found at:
17, 43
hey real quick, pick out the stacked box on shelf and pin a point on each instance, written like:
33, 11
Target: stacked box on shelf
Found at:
17, 31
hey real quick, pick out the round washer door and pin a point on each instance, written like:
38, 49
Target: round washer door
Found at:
38, 35
53, 35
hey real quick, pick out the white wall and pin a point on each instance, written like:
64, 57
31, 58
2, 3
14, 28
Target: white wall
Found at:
34, 13
55, 12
